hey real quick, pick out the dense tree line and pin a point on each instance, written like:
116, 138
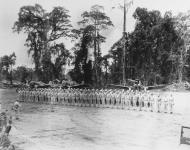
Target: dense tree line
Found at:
151, 49
157, 50
10, 73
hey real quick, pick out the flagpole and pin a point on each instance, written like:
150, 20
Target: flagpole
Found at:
124, 37
124, 49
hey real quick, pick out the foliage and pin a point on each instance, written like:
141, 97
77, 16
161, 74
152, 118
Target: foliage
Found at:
116, 53
105, 69
157, 51
6, 64
93, 22
149, 48
61, 55
83, 69
43, 29
22, 74
182, 27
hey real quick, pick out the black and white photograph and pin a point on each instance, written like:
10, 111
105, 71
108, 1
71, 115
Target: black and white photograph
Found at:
94, 75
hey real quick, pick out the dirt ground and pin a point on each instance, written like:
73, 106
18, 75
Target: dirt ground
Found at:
83, 128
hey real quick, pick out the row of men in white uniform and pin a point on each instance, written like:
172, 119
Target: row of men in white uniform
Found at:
114, 98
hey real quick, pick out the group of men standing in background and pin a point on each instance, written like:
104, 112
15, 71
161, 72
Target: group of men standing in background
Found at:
112, 98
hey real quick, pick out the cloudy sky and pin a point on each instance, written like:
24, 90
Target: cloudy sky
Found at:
9, 9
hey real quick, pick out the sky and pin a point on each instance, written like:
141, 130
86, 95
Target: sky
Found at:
13, 42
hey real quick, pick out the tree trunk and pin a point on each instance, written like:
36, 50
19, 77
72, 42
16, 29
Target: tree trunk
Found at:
180, 69
11, 77
95, 64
